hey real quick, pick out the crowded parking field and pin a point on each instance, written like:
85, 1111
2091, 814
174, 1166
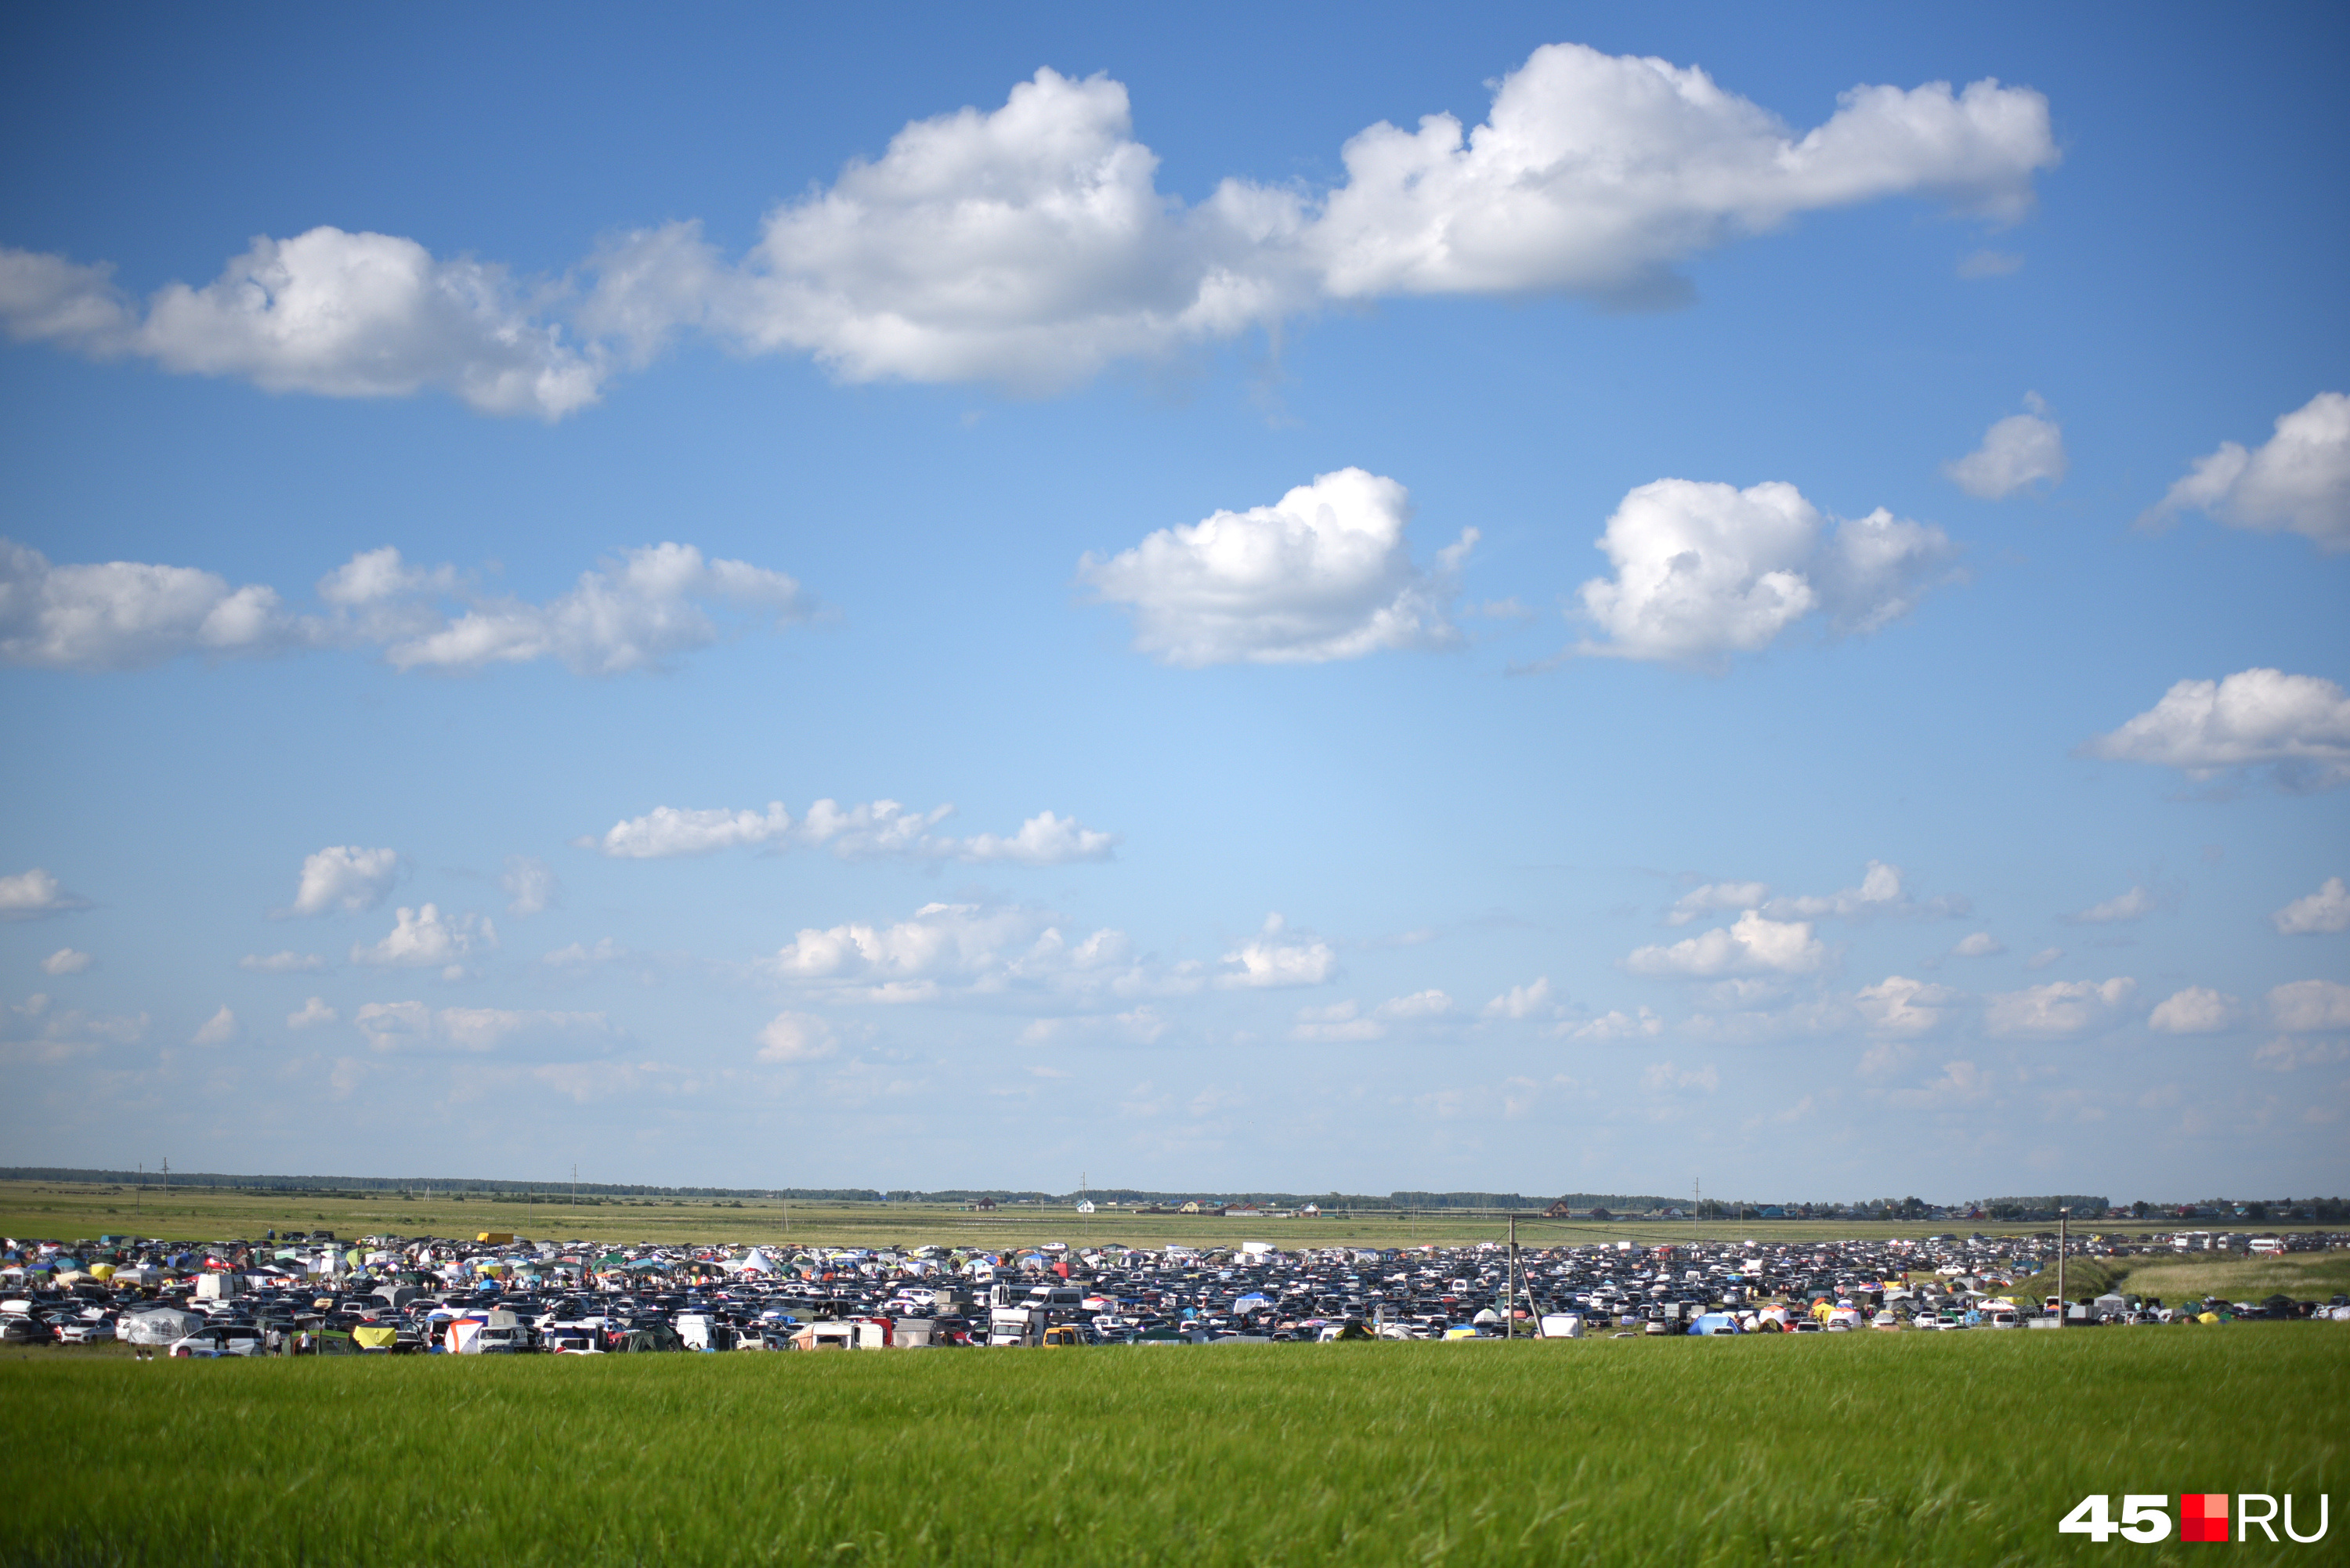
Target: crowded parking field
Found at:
1248, 1393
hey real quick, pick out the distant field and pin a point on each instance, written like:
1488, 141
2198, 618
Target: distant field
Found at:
70, 1211
1950, 1450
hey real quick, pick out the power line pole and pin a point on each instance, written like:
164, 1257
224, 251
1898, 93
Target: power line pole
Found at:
1510, 1307
2063, 1226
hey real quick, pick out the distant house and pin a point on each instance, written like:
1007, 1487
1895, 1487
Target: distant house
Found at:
1558, 1211
985, 1203
1311, 1211
1190, 1207
1242, 1213
1087, 1207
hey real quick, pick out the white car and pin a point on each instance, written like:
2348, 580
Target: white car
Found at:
210, 1344
85, 1332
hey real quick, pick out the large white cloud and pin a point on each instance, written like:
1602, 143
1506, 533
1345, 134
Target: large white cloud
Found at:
872, 830
1753, 945
966, 950
1324, 573
2298, 481
343, 315
2308, 1006
633, 613
120, 614
346, 877
1030, 245
1595, 173
2061, 1010
2019, 450
2327, 909
2297, 726
2197, 1009
65, 961
1706, 570
29, 894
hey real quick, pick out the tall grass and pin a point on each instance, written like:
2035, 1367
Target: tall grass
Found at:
1962, 1448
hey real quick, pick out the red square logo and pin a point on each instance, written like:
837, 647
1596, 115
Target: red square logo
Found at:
2203, 1516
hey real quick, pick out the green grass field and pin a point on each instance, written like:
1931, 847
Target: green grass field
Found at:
1917, 1448
68, 1211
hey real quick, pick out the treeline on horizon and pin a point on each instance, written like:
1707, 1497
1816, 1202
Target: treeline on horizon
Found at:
2083, 1206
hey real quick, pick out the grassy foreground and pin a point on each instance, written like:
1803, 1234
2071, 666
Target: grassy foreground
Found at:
1958, 1449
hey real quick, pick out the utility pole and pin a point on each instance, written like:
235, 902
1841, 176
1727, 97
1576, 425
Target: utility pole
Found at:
1510, 1306
139, 1192
2063, 1226
574, 1184
167, 1179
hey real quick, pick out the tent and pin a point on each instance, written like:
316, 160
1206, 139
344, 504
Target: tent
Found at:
374, 1336
156, 1325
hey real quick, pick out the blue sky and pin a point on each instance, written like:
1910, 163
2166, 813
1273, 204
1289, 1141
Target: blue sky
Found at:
1764, 605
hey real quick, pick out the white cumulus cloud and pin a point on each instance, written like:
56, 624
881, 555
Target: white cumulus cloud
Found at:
65, 961
529, 884
1980, 944
327, 312
124, 615
2197, 1009
872, 830
1753, 945
1276, 958
29, 894
1705, 570
2298, 481
2119, 909
2061, 1010
2307, 1006
2297, 726
2327, 909
1030, 244
1716, 898
422, 935
633, 613
345, 877
311, 1014
796, 1037
218, 1030
1901, 1007
1880, 893
958, 948
1323, 573
2019, 450
1521, 1000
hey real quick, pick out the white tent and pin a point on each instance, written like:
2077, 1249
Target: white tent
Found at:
158, 1325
